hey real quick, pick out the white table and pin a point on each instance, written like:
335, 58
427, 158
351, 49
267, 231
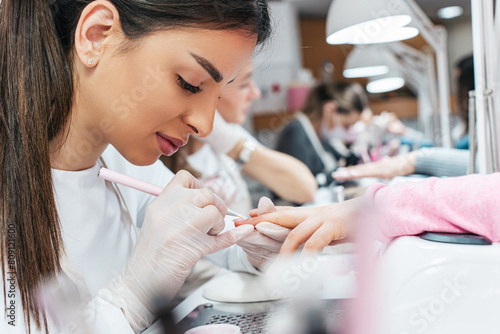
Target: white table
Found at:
339, 283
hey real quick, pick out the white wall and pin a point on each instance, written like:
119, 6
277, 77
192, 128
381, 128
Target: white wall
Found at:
278, 64
459, 45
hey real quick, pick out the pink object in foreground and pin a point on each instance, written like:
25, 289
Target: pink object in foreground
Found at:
129, 181
140, 185
467, 204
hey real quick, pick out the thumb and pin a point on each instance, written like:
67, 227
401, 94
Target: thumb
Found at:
273, 231
231, 237
265, 206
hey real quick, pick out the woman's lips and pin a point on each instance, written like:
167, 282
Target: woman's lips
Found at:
169, 145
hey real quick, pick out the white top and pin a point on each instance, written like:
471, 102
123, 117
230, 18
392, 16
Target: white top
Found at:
99, 239
222, 174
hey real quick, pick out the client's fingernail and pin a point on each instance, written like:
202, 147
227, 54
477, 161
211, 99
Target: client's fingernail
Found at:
237, 220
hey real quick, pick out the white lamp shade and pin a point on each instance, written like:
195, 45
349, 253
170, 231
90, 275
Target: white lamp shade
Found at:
449, 12
367, 22
367, 61
386, 84
393, 80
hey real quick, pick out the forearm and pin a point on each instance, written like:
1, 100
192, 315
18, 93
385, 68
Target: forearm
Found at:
441, 162
288, 177
463, 204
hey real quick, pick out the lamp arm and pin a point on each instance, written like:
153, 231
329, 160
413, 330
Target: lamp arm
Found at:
418, 66
497, 34
409, 56
436, 37
481, 84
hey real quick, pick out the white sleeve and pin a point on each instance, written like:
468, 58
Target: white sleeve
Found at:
243, 133
96, 317
104, 317
225, 135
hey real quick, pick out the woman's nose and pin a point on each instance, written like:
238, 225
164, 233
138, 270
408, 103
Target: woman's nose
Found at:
201, 119
255, 92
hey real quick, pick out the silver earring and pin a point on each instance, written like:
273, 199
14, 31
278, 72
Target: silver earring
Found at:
90, 61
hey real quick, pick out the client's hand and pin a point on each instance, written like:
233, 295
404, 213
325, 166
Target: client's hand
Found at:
180, 227
264, 244
316, 227
386, 168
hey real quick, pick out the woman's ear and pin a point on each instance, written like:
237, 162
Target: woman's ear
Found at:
98, 26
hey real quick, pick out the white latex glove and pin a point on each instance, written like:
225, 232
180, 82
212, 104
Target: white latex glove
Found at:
264, 244
180, 227
224, 136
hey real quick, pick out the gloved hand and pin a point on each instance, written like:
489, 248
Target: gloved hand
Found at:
224, 136
264, 244
180, 227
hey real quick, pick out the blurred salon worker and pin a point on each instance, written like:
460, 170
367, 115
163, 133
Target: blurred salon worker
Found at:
329, 111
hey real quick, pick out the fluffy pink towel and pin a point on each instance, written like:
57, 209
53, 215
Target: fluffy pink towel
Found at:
467, 204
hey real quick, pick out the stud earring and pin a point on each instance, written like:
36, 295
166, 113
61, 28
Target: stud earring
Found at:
90, 61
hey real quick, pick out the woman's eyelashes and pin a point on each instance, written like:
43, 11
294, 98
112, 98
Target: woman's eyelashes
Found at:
185, 85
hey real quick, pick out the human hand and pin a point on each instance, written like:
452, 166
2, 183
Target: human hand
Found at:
223, 137
314, 227
264, 244
387, 168
180, 227
394, 125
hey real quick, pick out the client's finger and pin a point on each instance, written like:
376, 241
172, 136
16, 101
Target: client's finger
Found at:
299, 235
321, 238
288, 219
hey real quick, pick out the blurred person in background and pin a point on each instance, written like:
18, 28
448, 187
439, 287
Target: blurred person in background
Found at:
465, 77
433, 161
220, 160
329, 112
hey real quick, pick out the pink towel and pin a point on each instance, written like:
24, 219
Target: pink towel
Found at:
467, 204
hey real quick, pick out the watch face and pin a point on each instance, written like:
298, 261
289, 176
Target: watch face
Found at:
246, 152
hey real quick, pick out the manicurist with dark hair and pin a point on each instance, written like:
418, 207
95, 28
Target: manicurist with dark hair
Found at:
115, 83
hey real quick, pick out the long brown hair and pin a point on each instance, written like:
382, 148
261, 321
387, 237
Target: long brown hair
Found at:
36, 96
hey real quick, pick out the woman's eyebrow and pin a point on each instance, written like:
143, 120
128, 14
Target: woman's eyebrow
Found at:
214, 73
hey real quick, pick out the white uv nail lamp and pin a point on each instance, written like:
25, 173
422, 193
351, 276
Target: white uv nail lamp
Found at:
440, 283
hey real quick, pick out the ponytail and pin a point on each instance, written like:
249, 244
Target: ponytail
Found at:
35, 100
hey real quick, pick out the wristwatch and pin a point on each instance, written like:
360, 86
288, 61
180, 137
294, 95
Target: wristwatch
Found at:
246, 152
